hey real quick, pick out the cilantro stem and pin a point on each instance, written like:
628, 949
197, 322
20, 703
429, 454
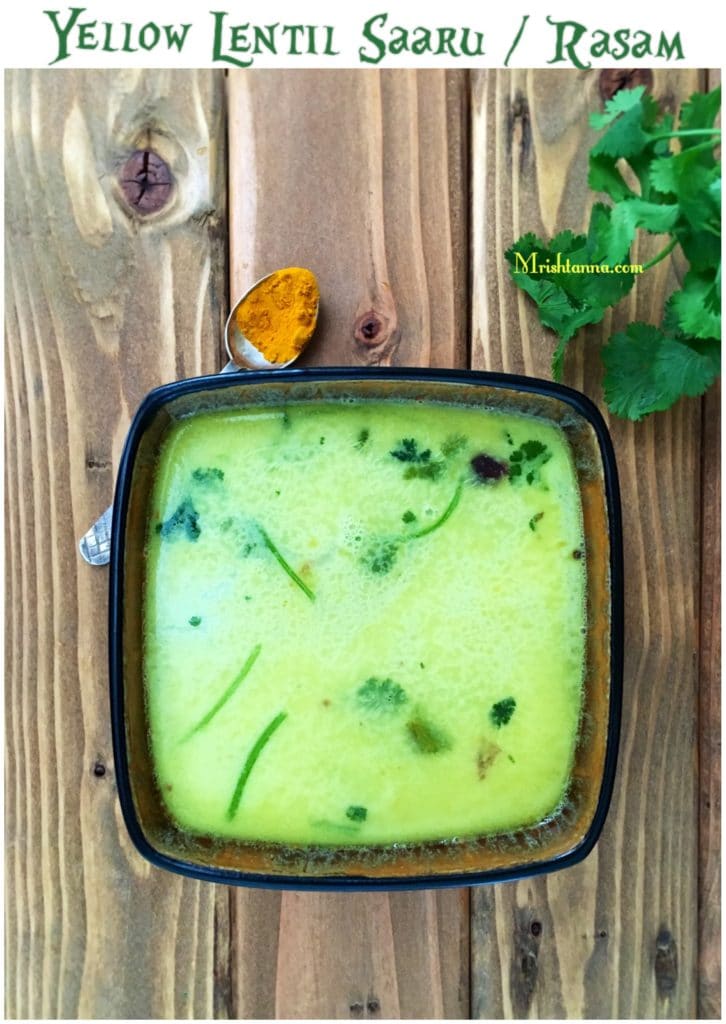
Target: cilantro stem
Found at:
262, 740
708, 144
236, 682
684, 132
661, 255
274, 550
443, 517
324, 823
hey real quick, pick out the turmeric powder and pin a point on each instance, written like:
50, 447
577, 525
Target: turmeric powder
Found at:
278, 316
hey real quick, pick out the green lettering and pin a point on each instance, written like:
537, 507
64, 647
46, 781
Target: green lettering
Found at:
600, 43
524, 264
446, 41
86, 38
666, 47
398, 43
293, 30
642, 47
621, 36
238, 38
62, 32
377, 42
268, 41
421, 42
565, 43
328, 50
176, 37
478, 50
126, 46
217, 51
148, 40
107, 48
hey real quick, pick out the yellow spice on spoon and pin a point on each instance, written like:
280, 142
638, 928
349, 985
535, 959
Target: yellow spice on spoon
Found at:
278, 317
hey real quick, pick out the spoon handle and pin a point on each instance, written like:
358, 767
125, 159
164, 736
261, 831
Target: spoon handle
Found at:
95, 544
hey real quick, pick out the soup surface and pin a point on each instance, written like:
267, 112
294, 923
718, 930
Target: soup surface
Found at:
364, 622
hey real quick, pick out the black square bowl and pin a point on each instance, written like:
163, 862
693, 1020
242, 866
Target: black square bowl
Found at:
559, 841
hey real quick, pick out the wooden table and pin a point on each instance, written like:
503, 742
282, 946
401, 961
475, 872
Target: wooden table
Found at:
402, 191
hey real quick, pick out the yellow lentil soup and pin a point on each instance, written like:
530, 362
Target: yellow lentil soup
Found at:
364, 622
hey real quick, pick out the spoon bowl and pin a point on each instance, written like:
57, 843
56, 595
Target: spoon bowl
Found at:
243, 352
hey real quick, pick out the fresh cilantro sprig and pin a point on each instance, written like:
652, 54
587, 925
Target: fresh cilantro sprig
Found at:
678, 193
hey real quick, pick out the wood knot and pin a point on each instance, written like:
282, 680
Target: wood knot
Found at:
146, 181
370, 329
375, 328
666, 962
520, 128
612, 80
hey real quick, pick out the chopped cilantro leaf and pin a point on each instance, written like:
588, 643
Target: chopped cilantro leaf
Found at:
501, 712
527, 461
184, 521
532, 449
363, 436
427, 738
453, 444
534, 520
195, 620
205, 475
356, 813
381, 695
409, 516
408, 451
380, 556
425, 471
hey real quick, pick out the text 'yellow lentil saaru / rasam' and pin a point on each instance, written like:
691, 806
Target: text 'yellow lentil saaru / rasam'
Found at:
278, 316
364, 622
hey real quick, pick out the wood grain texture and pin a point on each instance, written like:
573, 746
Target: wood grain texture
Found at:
100, 308
617, 935
365, 177
709, 867
709, 888
362, 177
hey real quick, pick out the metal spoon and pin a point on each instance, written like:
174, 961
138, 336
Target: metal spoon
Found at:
95, 544
243, 353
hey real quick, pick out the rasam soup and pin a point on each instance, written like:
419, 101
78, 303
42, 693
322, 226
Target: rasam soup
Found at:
364, 622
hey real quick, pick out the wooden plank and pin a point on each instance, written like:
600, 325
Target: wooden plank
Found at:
617, 935
101, 307
709, 719
362, 177
709, 888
